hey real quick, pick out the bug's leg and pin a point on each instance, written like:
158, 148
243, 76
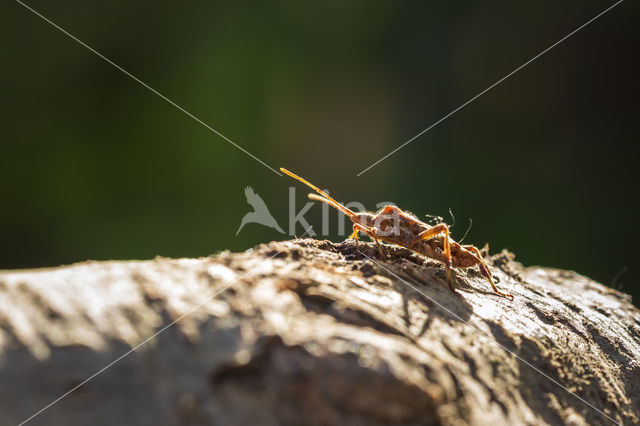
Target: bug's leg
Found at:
484, 251
441, 228
355, 237
484, 270
374, 235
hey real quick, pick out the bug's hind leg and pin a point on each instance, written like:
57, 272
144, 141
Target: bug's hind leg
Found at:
484, 270
484, 251
441, 228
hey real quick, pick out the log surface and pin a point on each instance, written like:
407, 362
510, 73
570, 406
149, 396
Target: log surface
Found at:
314, 333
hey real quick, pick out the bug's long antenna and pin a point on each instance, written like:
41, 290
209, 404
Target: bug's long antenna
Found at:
340, 207
325, 197
452, 218
468, 229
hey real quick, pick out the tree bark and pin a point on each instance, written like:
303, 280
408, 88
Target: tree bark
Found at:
314, 333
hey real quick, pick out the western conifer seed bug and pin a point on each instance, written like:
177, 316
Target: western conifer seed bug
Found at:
393, 225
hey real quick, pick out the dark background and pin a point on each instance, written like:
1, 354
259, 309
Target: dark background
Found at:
95, 166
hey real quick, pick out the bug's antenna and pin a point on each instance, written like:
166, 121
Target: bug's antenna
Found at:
468, 229
327, 199
452, 218
332, 203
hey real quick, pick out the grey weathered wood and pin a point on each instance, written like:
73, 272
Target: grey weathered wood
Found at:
310, 332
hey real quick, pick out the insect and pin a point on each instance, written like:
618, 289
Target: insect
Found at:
393, 225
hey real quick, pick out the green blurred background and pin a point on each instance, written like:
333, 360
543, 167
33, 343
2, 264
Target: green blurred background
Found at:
95, 166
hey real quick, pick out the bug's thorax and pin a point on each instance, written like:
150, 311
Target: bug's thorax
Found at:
392, 225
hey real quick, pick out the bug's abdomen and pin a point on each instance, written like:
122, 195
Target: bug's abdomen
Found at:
434, 249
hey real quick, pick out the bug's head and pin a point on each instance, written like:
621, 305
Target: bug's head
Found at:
363, 218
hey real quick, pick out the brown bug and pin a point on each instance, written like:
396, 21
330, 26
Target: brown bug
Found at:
395, 226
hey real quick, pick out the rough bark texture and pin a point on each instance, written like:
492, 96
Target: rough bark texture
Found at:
311, 332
